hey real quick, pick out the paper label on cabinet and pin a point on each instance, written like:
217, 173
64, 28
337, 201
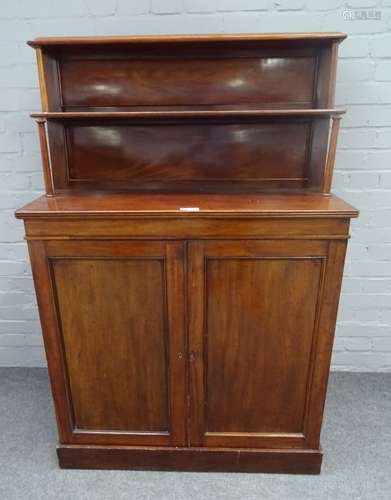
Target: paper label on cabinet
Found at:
189, 209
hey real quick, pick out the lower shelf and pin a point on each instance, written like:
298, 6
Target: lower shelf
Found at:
190, 459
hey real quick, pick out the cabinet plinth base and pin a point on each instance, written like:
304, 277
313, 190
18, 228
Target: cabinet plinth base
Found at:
190, 459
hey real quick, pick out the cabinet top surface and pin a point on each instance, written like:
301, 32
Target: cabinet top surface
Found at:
110, 40
102, 204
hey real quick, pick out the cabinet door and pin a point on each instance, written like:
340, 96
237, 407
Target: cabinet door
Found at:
261, 324
114, 335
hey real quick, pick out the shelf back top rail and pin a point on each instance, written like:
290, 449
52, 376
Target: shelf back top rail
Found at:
184, 39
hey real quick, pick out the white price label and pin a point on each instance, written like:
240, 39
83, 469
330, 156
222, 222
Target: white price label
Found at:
189, 209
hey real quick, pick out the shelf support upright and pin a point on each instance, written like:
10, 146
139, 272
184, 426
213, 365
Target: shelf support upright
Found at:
328, 174
47, 173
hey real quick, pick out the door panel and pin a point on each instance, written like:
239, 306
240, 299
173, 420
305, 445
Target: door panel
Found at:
252, 325
259, 322
120, 313
115, 352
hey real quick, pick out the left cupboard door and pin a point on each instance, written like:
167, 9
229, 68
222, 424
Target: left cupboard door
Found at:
112, 314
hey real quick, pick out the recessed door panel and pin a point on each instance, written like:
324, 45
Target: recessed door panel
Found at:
252, 340
260, 316
115, 341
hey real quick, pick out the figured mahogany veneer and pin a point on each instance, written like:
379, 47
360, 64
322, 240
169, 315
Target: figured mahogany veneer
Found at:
188, 254
87, 355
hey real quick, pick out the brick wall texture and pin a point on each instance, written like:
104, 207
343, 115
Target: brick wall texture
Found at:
363, 164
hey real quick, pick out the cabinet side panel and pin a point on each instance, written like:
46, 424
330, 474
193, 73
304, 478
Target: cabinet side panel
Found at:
326, 77
114, 332
49, 82
324, 342
52, 339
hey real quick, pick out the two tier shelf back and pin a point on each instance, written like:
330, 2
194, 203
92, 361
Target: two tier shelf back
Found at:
216, 113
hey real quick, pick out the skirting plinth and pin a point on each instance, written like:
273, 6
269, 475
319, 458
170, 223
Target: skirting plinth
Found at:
190, 459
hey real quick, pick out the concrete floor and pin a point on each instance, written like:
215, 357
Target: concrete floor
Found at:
356, 439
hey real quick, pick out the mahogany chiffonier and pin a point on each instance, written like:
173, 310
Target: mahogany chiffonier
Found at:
188, 254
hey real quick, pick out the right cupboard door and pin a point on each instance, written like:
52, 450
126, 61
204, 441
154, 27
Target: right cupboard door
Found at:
261, 316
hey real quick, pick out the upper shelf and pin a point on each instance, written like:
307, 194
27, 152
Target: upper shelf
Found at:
204, 72
120, 40
267, 113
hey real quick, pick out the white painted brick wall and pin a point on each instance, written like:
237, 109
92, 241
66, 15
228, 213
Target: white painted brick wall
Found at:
363, 166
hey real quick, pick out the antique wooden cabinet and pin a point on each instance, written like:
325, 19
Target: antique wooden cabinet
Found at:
188, 254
